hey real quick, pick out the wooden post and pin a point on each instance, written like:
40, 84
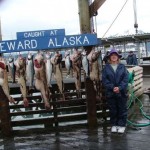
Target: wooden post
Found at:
84, 16
146, 48
91, 103
6, 128
5, 120
85, 27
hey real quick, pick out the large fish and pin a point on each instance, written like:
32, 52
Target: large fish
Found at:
100, 64
40, 79
85, 63
49, 68
94, 65
11, 68
93, 58
20, 64
56, 61
68, 63
76, 64
30, 70
4, 80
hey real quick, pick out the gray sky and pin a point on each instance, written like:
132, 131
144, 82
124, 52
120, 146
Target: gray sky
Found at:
30, 15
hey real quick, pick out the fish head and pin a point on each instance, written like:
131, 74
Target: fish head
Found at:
75, 56
48, 55
20, 62
2, 65
84, 53
10, 59
93, 55
39, 60
30, 56
57, 58
67, 53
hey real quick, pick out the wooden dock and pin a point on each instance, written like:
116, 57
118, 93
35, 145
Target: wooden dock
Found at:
87, 108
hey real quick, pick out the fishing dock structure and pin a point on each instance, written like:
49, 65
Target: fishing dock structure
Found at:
86, 108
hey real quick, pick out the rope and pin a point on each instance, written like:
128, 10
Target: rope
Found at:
133, 97
115, 18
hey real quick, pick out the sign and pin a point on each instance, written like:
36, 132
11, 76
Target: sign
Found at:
40, 33
30, 44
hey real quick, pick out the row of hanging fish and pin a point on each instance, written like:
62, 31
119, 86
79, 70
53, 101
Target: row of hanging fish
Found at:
80, 59
37, 71
91, 64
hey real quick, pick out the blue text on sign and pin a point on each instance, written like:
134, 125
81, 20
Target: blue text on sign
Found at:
40, 33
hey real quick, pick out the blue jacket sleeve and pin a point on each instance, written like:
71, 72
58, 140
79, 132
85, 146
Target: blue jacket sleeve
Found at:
124, 83
106, 82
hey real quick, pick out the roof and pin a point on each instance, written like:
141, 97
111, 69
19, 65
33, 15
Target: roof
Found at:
125, 38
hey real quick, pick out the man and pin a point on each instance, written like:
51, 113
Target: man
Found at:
131, 59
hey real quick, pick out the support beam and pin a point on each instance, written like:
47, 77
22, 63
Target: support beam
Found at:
91, 103
93, 8
84, 17
85, 27
5, 120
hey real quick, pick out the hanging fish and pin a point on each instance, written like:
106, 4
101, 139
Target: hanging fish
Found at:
85, 63
30, 71
100, 64
94, 65
49, 68
4, 80
93, 58
68, 63
76, 64
20, 64
40, 79
11, 68
56, 61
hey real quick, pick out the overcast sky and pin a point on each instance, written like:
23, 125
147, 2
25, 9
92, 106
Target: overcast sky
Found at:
30, 15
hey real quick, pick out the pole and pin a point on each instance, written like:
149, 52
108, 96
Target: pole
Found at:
124, 47
136, 29
135, 17
146, 48
85, 27
91, 19
84, 16
5, 119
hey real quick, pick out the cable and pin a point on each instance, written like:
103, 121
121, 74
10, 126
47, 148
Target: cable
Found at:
115, 19
131, 80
